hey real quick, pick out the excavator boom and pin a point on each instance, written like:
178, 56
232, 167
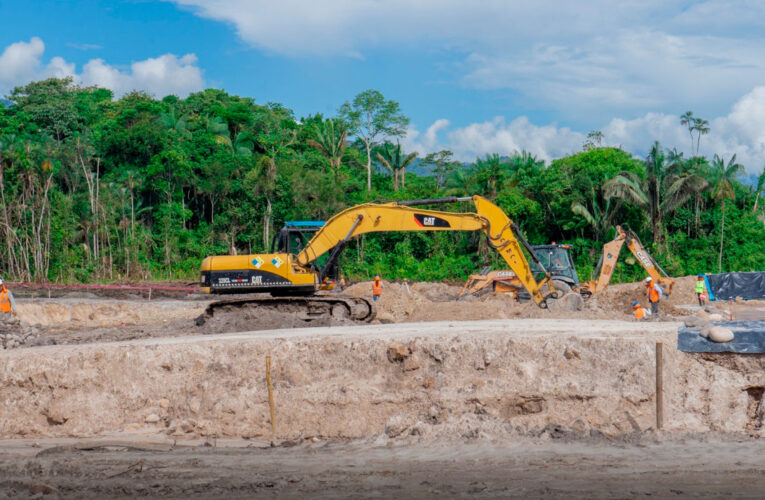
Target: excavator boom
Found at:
401, 216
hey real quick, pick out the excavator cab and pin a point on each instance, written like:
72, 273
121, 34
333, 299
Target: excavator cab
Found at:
295, 235
556, 259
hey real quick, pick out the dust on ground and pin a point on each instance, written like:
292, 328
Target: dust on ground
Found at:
546, 466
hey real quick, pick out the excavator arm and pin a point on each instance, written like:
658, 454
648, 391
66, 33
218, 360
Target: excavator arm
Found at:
501, 232
607, 263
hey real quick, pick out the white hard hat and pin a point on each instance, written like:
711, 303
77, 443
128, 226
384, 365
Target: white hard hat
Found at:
648, 279
1, 281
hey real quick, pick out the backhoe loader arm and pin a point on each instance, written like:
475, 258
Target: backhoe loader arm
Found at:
607, 263
651, 267
402, 216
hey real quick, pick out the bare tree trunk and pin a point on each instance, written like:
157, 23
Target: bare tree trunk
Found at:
267, 224
369, 165
722, 237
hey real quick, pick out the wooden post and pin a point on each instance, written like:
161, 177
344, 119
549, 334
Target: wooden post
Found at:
149, 293
271, 400
659, 386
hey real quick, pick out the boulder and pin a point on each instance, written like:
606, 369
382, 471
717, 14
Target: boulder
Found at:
720, 334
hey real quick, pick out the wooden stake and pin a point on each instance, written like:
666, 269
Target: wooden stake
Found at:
271, 400
149, 293
659, 386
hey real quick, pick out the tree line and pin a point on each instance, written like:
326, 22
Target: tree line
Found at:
138, 188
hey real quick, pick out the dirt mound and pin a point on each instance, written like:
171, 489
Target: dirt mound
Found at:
13, 333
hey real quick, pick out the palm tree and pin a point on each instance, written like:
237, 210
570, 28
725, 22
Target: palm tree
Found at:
758, 190
489, 174
665, 187
242, 143
396, 162
330, 140
600, 219
702, 127
688, 120
723, 189
171, 121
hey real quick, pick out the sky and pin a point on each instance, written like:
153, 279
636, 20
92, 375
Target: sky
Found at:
476, 77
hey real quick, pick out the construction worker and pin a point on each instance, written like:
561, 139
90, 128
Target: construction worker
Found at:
655, 293
639, 311
7, 302
700, 289
342, 283
376, 287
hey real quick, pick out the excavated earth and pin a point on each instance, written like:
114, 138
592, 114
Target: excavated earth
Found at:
435, 400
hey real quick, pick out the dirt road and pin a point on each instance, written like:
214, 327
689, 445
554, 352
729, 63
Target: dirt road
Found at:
695, 466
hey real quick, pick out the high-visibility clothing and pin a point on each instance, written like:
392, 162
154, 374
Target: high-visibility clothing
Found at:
639, 313
700, 286
377, 287
5, 302
653, 293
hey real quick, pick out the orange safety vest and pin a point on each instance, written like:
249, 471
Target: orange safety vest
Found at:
5, 302
653, 294
377, 287
639, 313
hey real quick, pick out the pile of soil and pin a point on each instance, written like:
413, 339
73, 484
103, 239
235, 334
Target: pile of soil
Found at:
13, 333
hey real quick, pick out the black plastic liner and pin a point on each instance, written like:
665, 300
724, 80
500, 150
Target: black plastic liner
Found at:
748, 338
727, 286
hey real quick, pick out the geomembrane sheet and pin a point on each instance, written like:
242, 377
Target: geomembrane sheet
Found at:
748, 337
727, 286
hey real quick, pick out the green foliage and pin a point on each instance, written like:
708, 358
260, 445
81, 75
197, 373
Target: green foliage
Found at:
93, 188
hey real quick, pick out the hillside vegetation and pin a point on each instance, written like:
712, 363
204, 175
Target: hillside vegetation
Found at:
97, 188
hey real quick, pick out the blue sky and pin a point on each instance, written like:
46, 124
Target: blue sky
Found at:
475, 77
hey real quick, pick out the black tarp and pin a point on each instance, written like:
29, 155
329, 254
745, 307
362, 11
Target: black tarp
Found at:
748, 337
727, 286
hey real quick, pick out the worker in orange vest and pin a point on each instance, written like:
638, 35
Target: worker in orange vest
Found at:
655, 293
376, 287
7, 302
342, 283
639, 311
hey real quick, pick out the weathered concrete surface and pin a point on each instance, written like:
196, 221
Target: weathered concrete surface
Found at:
442, 379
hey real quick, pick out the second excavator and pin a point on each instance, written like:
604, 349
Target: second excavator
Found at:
295, 282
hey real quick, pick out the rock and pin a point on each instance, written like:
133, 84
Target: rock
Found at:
570, 353
720, 334
152, 418
570, 302
701, 313
705, 330
164, 403
411, 364
695, 322
398, 352
429, 382
715, 317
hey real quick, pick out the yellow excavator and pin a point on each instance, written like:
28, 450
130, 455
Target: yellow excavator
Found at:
558, 263
294, 281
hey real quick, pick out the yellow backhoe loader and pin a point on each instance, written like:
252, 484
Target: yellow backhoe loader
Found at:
294, 280
557, 262
607, 263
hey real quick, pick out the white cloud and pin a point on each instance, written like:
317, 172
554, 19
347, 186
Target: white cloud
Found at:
741, 132
587, 60
21, 62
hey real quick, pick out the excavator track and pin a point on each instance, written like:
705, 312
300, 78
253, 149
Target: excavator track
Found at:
309, 308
